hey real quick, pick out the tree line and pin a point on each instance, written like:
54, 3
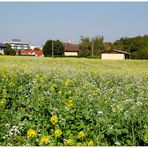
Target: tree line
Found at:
92, 47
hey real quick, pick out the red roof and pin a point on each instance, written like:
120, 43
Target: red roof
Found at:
68, 47
32, 52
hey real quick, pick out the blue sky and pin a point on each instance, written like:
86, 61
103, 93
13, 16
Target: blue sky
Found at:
38, 22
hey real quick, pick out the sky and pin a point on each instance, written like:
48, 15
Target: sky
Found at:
36, 22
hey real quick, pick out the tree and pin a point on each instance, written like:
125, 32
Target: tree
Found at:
108, 46
98, 45
91, 46
137, 46
140, 54
57, 45
9, 50
36, 48
85, 47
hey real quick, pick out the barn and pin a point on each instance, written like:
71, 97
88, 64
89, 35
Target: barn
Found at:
114, 54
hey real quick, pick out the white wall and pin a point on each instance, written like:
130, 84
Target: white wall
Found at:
71, 53
115, 56
1, 51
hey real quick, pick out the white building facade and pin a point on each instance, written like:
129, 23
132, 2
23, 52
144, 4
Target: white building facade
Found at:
2, 48
18, 44
114, 55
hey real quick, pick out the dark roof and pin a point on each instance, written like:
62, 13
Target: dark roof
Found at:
71, 47
2, 45
116, 51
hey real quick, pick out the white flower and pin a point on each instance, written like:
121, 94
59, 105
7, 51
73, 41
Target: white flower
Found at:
117, 143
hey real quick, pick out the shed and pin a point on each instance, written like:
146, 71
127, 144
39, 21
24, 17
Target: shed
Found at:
114, 54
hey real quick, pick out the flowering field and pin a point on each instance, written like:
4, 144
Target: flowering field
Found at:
73, 102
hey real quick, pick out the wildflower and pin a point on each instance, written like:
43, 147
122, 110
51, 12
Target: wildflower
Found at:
67, 82
117, 106
114, 110
81, 135
69, 142
69, 103
52, 144
54, 119
44, 140
31, 133
52, 87
58, 133
145, 126
117, 143
4, 93
59, 93
11, 84
3, 102
90, 143
79, 144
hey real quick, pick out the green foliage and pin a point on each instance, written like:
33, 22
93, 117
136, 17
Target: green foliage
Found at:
140, 54
58, 48
91, 47
45, 104
108, 46
137, 46
85, 47
9, 50
36, 48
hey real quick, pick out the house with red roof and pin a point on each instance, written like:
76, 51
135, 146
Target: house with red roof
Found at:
38, 53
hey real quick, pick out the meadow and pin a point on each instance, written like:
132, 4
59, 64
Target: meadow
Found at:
73, 102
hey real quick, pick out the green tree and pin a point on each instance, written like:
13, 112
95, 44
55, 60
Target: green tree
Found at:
36, 48
137, 46
85, 47
140, 54
108, 46
91, 46
9, 50
57, 45
98, 45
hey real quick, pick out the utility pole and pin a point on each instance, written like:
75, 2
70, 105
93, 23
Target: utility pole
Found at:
92, 48
52, 50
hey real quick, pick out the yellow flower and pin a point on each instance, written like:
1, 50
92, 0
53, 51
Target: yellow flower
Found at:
52, 87
2, 102
145, 126
58, 133
81, 135
67, 82
59, 93
4, 93
117, 106
69, 103
11, 84
54, 119
79, 144
69, 142
31, 133
44, 140
114, 110
90, 143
